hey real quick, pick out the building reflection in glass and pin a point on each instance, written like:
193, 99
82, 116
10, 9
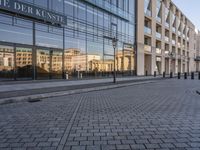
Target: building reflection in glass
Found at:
6, 62
56, 64
24, 62
96, 64
43, 63
49, 64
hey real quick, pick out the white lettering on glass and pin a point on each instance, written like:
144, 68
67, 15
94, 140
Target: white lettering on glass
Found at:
5, 3
17, 6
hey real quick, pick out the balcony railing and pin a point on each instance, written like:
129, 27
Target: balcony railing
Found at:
147, 30
158, 51
179, 45
173, 42
166, 39
158, 19
174, 29
179, 33
166, 53
147, 48
158, 35
179, 56
167, 24
148, 13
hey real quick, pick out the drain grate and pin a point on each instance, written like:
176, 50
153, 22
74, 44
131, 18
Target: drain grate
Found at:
34, 100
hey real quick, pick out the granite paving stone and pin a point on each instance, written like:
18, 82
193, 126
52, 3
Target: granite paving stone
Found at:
164, 115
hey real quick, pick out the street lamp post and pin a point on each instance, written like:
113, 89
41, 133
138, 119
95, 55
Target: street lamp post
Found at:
114, 43
171, 71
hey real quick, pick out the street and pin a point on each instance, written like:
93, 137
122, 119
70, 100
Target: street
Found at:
160, 115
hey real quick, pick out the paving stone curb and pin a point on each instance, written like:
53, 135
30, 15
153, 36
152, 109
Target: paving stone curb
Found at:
63, 93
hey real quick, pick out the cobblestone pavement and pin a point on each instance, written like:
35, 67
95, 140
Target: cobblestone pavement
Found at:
162, 115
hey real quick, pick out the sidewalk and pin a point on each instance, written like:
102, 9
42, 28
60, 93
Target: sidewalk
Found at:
30, 85
26, 90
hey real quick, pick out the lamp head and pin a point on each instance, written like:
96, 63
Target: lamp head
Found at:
114, 42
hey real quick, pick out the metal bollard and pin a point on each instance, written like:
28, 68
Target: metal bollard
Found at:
192, 75
185, 75
154, 73
199, 75
171, 74
66, 76
163, 74
146, 73
81, 75
179, 75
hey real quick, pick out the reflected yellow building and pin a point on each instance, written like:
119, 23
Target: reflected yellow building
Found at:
23, 57
77, 61
6, 58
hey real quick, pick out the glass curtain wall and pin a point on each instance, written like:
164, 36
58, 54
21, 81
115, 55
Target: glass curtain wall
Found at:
80, 49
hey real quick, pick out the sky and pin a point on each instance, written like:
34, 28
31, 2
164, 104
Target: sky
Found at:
191, 9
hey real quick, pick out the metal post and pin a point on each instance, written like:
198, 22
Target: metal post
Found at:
179, 75
192, 75
34, 54
163, 74
114, 75
199, 75
154, 73
185, 75
171, 74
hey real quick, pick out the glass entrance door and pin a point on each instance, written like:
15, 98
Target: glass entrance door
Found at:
7, 64
49, 64
24, 69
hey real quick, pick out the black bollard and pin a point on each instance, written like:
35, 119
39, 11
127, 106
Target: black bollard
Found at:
192, 75
199, 75
154, 73
171, 74
163, 74
146, 73
185, 75
179, 75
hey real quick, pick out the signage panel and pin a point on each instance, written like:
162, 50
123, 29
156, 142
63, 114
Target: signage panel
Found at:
32, 11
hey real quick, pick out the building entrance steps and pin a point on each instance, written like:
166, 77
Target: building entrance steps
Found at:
26, 90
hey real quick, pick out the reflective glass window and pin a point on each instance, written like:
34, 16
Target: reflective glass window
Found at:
68, 4
29, 1
100, 18
56, 5
90, 14
75, 57
6, 62
42, 3
49, 36
23, 62
131, 6
94, 57
19, 32
81, 11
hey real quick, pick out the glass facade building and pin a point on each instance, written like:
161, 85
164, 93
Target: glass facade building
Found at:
80, 47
